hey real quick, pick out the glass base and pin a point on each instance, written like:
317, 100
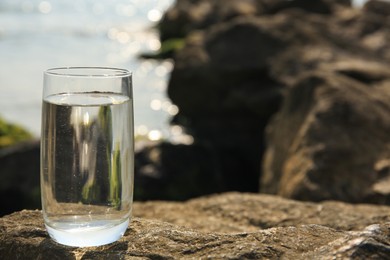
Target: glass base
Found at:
93, 235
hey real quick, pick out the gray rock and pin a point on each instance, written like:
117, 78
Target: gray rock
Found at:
285, 234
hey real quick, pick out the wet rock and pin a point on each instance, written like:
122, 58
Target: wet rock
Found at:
23, 236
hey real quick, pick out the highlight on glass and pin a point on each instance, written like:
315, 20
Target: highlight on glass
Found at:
87, 154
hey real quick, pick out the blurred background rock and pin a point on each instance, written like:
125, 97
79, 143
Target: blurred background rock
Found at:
19, 169
283, 97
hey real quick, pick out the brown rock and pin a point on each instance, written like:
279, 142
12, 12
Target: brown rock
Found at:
330, 139
245, 212
229, 78
23, 236
186, 16
378, 7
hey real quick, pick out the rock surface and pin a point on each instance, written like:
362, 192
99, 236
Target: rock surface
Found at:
245, 212
226, 226
330, 141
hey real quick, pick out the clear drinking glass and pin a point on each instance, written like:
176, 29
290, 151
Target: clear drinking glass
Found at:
87, 154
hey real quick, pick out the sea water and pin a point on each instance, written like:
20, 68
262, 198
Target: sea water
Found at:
36, 35
87, 167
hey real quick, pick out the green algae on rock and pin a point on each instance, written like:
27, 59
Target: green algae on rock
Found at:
11, 134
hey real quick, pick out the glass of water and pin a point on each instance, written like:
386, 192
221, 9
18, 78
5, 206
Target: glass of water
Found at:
87, 154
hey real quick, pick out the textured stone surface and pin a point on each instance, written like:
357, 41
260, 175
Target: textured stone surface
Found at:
241, 212
266, 227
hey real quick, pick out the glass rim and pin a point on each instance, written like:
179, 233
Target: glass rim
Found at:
102, 72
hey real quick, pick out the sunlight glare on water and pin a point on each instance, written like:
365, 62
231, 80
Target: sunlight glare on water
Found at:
36, 35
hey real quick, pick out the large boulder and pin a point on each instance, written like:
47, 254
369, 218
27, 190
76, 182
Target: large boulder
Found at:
235, 71
330, 138
226, 82
225, 95
226, 226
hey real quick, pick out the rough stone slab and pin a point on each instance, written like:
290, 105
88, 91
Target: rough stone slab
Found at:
245, 212
22, 234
